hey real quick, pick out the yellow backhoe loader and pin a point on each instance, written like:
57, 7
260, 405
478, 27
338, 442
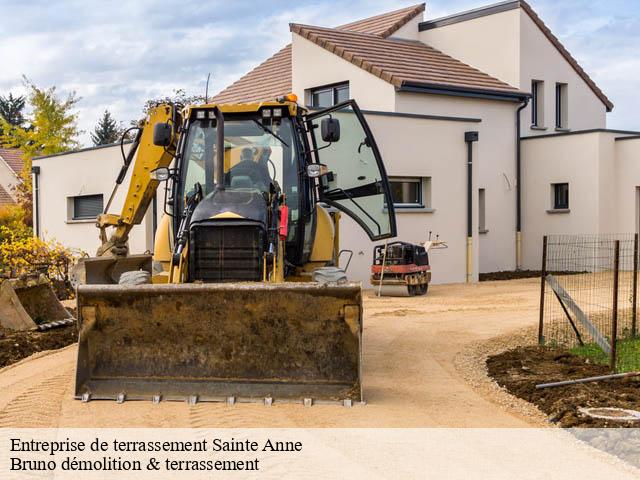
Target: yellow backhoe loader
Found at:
243, 298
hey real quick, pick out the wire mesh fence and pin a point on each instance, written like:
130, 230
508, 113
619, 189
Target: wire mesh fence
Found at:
589, 297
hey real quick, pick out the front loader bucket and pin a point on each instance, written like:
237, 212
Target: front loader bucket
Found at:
220, 342
24, 304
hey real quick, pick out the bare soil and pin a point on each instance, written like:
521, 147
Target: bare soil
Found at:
519, 370
15, 346
410, 376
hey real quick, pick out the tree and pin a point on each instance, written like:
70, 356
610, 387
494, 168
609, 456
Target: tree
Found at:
179, 97
11, 109
50, 128
107, 131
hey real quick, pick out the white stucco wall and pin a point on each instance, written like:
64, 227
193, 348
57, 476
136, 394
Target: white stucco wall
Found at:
314, 66
490, 44
541, 60
409, 31
421, 148
588, 163
510, 46
495, 162
627, 195
84, 173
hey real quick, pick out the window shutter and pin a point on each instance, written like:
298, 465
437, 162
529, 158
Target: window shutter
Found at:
87, 206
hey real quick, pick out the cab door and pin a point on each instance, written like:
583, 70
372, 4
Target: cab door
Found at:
356, 182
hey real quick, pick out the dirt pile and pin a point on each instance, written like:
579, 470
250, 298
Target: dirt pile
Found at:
15, 346
521, 369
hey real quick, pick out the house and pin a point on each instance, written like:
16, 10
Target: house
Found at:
72, 188
11, 165
492, 133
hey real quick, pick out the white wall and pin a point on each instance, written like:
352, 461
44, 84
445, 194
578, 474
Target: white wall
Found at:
84, 173
409, 31
495, 168
510, 46
541, 60
421, 148
313, 66
627, 169
574, 159
490, 44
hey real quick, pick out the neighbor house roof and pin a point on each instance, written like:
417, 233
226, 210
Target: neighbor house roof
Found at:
5, 198
272, 78
403, 63
512, 5
13, 158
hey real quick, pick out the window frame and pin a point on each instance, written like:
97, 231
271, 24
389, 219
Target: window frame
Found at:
482, 210
75, 217
421, 193
561, 106
537, 102
333, 88
557, 205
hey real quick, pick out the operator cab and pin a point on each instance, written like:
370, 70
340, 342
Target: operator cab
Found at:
238, 167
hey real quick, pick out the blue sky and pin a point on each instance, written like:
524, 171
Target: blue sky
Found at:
116, 55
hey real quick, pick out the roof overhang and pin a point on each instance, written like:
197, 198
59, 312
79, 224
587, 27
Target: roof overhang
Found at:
435, 89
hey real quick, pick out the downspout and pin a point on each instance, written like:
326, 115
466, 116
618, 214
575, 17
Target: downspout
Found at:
469, 138
36, 200
525, 102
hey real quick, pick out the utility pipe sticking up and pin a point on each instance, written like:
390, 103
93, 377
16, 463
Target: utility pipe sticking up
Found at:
469, 138
525, 102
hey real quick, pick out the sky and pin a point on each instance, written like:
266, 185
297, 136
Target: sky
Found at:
117, 54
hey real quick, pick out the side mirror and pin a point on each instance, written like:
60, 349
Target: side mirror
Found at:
160, 174
330, 129
162, 134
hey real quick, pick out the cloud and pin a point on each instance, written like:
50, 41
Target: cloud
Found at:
116, 55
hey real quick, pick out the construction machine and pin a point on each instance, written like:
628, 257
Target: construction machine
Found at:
243, 298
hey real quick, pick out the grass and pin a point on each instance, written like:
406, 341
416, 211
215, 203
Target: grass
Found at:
628, 353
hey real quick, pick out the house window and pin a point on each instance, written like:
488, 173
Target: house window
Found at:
324, 97
537, 103
482, 218
411, 192
560, 196
86, 207
561, 106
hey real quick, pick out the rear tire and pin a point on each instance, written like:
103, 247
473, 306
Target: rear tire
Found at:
135, 277
424, 288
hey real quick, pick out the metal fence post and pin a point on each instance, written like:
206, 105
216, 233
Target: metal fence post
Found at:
634, 293
543, 279
614, 313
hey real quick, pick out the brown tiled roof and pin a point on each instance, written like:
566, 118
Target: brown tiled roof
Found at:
565, 53
5, 198
13, 158
272, 78
387, 23
402, 62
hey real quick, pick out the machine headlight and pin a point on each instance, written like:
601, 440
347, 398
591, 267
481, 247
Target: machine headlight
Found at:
277, 113
316, 170
266, 113
200, 114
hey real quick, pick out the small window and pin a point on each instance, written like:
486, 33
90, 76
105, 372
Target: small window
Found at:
482, 216
87, 207
560, 196
561, 106
537, 103
410, 192
324, 97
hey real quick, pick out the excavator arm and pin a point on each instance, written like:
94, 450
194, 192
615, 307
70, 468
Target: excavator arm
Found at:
143, 185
